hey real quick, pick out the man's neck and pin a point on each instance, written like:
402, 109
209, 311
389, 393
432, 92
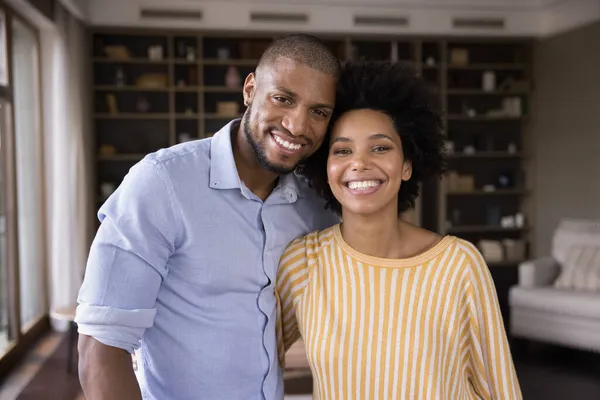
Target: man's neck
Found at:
256, 178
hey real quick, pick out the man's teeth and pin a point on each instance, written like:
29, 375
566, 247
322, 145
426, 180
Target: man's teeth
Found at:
286, 144
363, 184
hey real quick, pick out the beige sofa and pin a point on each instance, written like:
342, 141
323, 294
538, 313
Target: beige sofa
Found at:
557, 299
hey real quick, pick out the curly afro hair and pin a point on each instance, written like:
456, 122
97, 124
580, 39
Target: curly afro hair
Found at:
396, 90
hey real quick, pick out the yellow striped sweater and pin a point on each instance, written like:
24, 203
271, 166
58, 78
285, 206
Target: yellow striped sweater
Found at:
425, 327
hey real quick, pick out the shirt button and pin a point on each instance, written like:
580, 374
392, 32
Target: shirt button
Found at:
290, 195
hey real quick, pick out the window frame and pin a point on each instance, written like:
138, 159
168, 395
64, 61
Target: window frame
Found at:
20, 342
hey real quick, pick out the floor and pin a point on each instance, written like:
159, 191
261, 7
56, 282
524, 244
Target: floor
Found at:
545, 372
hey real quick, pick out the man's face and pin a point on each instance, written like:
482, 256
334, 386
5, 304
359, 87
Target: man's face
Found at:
289, 108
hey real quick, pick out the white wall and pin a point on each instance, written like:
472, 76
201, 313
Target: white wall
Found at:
565, 131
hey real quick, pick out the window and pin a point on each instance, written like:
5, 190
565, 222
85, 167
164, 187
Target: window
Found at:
23, 299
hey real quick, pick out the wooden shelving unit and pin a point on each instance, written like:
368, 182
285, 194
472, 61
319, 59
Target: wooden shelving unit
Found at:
487, 91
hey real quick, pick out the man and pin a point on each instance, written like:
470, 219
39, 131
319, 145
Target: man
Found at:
184, 262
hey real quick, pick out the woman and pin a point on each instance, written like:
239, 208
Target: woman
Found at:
388, 310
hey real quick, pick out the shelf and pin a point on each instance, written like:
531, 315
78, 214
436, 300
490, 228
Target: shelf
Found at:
482, 229
221, 116
187, 89
221, 89
132, 116
497, 192
129, 88
241, 62
132, 61
460, 117
484, 154
120, 157
481, 92
481, 66
504, 264
188, 116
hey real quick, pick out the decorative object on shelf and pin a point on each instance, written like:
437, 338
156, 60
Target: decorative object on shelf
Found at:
152, 81
489, 81
223, 53
519, 220
430, 61
514, 250
111, 104
491, 250
184, 137
512, 84
107, 150
155, 53
228, 108
120, 79
190, 53
506, 180
449, 146
508, 221
189, 111
142, 104
512, 148
233, 79
106, 189
488, 188
512, 106
470, 150
117, 52
459, 57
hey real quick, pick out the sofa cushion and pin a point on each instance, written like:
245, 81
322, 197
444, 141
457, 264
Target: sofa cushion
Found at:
581, 268
557, 301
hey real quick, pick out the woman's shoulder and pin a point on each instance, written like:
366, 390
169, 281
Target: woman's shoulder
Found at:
311, 242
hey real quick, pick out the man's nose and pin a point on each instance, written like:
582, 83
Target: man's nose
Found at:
296, 122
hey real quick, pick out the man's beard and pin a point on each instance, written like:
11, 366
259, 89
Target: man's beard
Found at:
259, 150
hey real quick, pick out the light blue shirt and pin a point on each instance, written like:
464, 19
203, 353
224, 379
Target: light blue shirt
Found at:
183, 267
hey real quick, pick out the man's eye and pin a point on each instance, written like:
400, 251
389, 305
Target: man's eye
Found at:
282, 99
321, 113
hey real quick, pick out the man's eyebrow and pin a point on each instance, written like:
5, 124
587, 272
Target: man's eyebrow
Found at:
294, 95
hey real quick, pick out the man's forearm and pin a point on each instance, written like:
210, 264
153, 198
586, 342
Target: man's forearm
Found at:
106, 372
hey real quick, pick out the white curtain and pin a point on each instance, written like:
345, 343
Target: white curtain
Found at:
68, 141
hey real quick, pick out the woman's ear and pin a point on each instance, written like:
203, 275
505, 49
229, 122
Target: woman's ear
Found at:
406, 170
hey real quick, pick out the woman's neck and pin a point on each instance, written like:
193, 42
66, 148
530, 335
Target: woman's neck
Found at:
374, 235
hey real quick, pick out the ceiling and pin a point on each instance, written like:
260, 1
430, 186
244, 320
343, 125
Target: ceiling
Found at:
437, 4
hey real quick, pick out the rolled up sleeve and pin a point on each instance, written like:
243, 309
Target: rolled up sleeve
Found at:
129, 258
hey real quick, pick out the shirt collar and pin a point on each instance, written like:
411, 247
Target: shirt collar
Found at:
223, 172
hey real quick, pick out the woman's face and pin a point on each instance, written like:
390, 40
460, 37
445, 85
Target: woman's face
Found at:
365, 166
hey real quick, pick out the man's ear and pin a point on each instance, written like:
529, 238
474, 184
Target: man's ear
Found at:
249, 88
406, 170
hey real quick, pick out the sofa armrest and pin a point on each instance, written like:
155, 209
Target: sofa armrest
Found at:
538, 272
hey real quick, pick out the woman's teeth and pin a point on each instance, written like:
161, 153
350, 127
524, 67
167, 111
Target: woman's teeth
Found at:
363, 184
286, 144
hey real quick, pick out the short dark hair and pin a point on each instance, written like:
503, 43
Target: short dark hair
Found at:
396, 90
306, 49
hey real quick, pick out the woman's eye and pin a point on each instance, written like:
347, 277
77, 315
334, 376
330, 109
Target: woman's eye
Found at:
380, 149
341, 151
